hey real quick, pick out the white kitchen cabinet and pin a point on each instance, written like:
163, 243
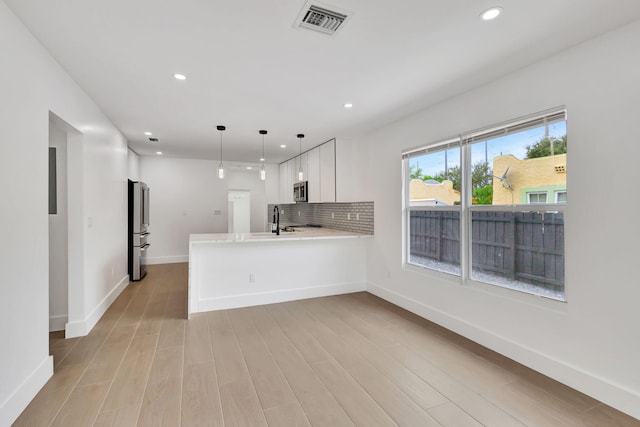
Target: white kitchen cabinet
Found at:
313, 175
319, 169
328, 172
283, 182
292, 178
286, 191
305, 167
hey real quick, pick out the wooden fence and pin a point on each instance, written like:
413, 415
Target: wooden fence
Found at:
525, 246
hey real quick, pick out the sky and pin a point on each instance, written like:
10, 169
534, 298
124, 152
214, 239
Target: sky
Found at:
516, 144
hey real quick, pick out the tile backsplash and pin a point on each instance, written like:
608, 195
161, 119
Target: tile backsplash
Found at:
355, 217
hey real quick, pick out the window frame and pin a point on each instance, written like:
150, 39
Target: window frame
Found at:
537, 193
467, 208
555, 197
442, 145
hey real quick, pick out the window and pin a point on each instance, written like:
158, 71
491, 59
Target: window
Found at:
468, 205
561, 197
434, 207
537, 198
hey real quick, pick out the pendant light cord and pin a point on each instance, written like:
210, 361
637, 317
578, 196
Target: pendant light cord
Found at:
300, 156
220, 168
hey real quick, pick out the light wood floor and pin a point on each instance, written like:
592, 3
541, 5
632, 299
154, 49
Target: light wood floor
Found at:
337, 361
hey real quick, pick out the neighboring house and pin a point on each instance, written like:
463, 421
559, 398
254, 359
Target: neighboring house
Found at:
530, 181
432, 193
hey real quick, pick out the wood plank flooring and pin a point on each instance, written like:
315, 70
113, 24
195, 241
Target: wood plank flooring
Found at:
337, 361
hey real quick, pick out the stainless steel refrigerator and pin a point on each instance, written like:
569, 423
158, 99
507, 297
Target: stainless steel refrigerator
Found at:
138, 229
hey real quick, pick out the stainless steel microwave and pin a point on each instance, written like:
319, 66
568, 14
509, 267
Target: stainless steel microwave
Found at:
300, 190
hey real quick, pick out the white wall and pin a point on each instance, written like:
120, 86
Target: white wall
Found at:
272, 188
351, 171
32, 84
58, 233
185, 195
239, 211
590, 343
250, 180
133, 165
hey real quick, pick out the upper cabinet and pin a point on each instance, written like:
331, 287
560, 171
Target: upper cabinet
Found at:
287, 170
303, 162
283, 181
351, 167
313, 175
328, 171
319, 169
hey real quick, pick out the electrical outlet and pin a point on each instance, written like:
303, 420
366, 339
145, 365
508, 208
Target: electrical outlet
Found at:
282, 212
358, 216
349, 217
333, 216
252, 278
298, 213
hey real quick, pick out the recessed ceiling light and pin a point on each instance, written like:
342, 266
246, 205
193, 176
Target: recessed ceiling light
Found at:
348, 105
148, 133
283, 146
491, 13
159, 153
249, 168
180, 76
262, 159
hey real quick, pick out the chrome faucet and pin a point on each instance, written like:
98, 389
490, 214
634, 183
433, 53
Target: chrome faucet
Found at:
276, 221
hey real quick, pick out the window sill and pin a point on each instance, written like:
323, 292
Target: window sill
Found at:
454, 279
515, 295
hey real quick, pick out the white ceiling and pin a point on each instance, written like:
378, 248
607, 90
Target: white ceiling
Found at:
248, 68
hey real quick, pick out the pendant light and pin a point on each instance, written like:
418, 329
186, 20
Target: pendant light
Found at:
263, 173
300, 173
221, 166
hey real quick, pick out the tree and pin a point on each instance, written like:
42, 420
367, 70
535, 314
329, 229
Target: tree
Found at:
415, 172
432, 178
483, 195
452, 174
542, 148
481, 175
481, 180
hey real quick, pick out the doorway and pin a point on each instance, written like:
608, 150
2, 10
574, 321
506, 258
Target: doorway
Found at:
58, 229
66, 229
239, 212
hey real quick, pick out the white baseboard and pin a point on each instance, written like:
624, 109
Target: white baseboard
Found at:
271, 297
11, 408
619, 397
57, 323
83, 327
166, 259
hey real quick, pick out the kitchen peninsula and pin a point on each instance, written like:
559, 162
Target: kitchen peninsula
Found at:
239, 270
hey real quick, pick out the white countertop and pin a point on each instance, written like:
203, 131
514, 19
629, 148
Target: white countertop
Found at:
301, 233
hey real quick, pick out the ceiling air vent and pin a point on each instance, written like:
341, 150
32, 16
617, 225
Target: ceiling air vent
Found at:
321, 17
